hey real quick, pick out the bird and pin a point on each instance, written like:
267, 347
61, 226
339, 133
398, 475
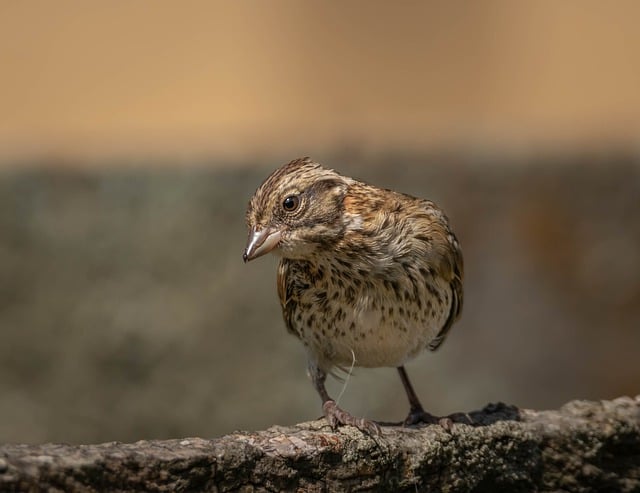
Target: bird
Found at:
367, 276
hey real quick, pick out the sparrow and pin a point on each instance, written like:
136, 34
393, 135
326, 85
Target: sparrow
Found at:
367, 276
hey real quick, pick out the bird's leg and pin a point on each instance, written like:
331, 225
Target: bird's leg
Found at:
335, 415
417, 414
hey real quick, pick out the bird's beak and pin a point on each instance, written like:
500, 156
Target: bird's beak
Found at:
261, 242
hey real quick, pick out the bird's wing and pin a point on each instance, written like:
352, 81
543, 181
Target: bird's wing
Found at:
456, 272
285, 293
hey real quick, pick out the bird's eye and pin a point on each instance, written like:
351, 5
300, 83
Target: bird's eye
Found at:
291, 203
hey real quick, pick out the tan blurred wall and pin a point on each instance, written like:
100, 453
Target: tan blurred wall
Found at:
137, 78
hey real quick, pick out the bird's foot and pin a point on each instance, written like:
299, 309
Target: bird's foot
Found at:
337, 416
446, 422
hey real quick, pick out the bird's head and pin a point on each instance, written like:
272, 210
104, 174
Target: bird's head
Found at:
297, 210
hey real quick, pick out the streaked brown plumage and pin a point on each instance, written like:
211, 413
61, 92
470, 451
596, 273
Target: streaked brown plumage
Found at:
366, 276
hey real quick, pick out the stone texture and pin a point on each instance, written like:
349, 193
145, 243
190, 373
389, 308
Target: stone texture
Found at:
584, 446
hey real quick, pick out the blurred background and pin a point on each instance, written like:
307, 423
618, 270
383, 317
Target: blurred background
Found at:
132, 135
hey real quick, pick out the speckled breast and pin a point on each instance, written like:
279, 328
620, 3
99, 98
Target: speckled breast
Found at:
346, 315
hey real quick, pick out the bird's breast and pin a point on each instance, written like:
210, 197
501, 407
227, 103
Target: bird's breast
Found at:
352, 315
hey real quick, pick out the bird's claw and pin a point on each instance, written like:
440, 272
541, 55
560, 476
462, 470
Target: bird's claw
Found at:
337, 416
